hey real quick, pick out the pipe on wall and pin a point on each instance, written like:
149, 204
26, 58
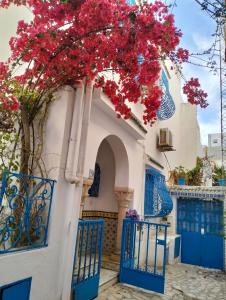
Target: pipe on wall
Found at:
75, 136
85, 127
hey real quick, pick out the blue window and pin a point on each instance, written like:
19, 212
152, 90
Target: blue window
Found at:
157, 202
167, 107
16, 291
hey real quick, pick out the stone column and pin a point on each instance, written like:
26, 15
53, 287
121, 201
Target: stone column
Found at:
124, 196
86, 185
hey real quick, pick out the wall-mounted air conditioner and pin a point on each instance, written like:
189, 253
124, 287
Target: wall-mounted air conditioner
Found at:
165, 141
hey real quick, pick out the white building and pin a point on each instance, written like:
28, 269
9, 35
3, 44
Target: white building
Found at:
214, 147
81, 131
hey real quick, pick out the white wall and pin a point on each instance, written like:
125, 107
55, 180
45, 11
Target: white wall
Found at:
185, 132
51, 267
101, 126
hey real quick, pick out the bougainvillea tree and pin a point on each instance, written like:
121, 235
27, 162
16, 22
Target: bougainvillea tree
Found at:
73, 40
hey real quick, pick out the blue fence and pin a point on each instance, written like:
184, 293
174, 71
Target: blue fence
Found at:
143, 254
87, 261
25, 204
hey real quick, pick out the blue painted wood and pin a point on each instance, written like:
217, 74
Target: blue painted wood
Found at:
191, 248
212, 251
87, 289
135, 269
16, 291
200, 224
87, 261
157, 202
143, 280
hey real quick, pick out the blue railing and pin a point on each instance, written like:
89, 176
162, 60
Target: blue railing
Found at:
143, 254
87, 261
25, 205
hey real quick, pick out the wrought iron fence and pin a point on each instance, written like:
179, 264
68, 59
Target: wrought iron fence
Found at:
25, 205
144, 254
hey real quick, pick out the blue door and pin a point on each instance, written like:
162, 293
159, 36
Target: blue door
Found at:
16, 291
87, 262
143, 255
200, 224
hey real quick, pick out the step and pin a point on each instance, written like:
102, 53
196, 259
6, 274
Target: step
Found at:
107, 279
111, 262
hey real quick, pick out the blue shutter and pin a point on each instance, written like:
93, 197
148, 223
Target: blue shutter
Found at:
157, 202
167, 107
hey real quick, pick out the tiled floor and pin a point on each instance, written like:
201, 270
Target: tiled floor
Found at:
183, 282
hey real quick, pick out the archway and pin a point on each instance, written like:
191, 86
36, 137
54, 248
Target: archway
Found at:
109, 196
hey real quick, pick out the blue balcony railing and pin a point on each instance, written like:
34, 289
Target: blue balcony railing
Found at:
25, 205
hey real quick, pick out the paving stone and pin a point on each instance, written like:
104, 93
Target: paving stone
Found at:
183, 282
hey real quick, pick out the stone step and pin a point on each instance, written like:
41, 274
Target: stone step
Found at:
111, 262
107, 279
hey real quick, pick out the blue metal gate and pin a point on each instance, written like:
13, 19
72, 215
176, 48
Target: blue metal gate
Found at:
87, 262
143, 254
200, 224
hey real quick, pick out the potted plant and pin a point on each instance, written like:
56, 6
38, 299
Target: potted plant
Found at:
180, 175
195, 175
219, 176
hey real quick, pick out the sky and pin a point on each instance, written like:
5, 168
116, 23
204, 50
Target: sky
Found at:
197, 28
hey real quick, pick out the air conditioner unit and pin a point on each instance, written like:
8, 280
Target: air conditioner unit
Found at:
165, 142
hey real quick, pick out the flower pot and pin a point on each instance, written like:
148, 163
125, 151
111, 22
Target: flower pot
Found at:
222, 182
181, 181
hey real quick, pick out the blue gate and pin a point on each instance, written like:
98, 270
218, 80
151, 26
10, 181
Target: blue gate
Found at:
143, 254
87, 262
200, 224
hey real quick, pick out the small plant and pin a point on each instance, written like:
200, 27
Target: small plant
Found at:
219, 173
178, 173
195, 175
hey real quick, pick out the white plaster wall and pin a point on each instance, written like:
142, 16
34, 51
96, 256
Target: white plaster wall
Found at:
51, 267
185, 132
101, 126
106, 200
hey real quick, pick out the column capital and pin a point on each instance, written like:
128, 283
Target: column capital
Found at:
124, 195
87, 182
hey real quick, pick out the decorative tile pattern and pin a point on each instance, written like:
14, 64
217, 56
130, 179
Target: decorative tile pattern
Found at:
110, 227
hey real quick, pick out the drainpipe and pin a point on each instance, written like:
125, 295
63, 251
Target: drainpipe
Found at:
85, 127
75, 136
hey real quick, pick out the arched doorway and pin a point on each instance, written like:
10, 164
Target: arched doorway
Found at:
109, 187
106, 197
